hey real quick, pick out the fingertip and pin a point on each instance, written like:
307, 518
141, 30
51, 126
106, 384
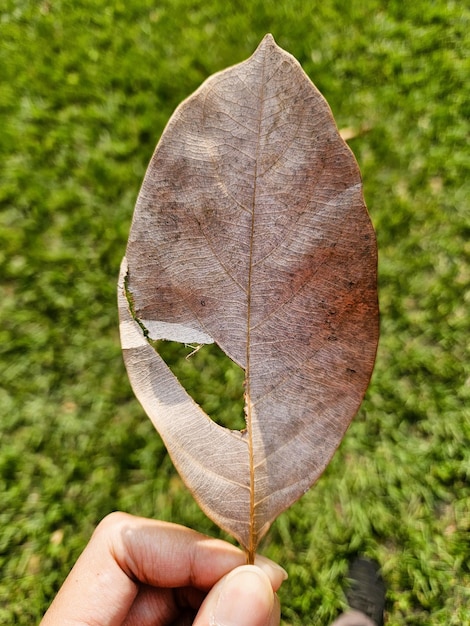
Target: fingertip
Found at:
276, 574
246, 598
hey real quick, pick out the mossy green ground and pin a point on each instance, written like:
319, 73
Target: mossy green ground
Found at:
85, 90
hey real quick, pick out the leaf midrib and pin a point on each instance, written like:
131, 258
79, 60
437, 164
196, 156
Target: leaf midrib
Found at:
248, 404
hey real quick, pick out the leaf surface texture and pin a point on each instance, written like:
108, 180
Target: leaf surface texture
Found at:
250, 230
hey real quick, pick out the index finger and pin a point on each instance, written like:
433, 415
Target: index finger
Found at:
126, 551
163, 554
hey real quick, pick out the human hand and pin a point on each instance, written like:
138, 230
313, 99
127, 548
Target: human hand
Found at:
136, 571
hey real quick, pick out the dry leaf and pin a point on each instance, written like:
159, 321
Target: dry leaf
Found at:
250, 230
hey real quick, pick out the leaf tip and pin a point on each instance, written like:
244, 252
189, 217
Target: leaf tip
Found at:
268, 38
268, 41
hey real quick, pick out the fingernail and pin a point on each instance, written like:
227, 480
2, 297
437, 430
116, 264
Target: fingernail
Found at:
271, 568
246, 598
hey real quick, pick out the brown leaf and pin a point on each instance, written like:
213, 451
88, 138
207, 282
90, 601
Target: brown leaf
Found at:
250, 230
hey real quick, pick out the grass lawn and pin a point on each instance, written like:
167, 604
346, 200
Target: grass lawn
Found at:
86, 88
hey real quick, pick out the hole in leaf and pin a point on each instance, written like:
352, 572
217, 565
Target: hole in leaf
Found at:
212, 379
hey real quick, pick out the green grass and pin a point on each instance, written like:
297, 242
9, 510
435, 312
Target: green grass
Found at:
85, 90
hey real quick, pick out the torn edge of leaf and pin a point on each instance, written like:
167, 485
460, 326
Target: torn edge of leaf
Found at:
175, 332
135, 332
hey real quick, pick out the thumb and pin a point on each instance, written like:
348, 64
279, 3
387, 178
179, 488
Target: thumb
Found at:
244, 597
